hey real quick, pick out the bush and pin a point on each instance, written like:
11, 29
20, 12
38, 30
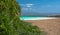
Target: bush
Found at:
10, 24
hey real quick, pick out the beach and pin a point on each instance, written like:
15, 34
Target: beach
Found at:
50, 26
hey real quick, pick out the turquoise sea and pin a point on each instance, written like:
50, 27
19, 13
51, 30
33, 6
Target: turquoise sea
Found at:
34, 18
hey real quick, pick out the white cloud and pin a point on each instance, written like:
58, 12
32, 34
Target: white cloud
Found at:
27, 5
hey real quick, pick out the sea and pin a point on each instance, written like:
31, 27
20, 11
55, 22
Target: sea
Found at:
35, 18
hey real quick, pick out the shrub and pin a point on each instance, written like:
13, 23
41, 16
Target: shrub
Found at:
10, 24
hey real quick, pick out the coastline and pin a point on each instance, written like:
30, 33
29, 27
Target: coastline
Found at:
38, 18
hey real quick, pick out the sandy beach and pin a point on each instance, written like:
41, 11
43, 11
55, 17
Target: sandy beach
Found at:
51, 26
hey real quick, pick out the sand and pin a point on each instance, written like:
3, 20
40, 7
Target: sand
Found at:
51, 26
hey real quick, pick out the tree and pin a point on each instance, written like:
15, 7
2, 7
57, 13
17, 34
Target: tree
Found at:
10, 23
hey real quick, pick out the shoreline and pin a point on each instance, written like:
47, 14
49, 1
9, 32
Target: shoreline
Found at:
38, 18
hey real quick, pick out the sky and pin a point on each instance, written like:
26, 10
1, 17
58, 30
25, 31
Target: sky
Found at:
40, 6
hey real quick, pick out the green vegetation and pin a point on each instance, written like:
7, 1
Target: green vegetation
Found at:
10, 24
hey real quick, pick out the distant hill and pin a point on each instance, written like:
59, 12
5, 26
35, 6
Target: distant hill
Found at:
54, 15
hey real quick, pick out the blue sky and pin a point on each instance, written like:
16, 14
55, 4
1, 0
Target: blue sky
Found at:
40, 6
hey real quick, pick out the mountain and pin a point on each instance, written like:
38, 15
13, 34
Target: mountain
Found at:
54, 15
